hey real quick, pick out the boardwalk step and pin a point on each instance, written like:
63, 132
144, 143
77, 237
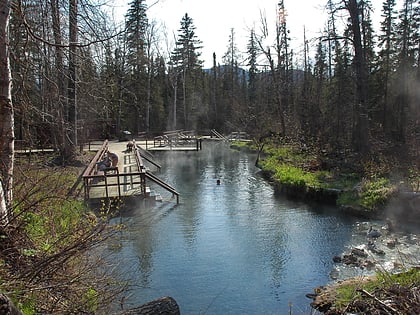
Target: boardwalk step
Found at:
158, 197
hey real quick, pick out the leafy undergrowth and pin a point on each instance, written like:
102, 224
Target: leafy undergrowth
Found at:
44, 266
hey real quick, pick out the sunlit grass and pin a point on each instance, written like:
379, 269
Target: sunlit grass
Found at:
351, 290
299, 169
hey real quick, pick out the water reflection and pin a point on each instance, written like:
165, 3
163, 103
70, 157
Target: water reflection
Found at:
233, 248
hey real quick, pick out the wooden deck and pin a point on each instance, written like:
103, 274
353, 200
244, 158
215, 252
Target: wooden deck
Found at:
126, 180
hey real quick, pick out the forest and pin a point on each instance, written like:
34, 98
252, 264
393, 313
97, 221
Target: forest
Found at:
71, 73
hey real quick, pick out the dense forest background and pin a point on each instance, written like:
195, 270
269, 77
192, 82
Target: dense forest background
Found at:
77, 76
69, 73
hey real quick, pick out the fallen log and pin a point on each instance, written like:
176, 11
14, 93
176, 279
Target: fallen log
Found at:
7, 307
162, 306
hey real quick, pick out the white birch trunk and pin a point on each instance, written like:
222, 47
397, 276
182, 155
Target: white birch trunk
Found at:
6, 117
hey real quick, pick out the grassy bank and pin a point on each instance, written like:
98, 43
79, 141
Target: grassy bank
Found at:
383, 293
44, 266
365, 186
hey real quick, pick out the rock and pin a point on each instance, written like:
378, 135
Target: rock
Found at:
334, 274
163, 306
350, 260
368, 264
359, 252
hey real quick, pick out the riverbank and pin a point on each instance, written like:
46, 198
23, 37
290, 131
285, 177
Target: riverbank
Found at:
379, 294
46, 260
372, 188
371, 192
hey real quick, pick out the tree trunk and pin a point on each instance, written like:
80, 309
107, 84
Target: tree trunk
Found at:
162, 306
361, 127
71, 139
59, 67
6, 118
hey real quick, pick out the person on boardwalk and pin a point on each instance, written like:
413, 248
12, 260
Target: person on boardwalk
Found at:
104, 164
113, 157
130, 146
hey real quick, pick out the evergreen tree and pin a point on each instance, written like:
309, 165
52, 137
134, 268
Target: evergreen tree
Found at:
136, 27
361, 133
385, 63
252, 70
231, 81
186, 63
408, 43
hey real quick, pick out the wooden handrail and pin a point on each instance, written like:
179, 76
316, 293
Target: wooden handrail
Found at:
98, 155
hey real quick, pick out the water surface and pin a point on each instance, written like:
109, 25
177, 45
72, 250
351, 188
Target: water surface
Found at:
233, 248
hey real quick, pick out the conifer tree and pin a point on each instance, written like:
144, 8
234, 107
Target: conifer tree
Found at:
408, 43
186, 63
231, 79
253, 70
361, 121
136, 26
386, 60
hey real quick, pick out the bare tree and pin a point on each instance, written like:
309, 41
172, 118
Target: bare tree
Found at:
71, 140
6, 117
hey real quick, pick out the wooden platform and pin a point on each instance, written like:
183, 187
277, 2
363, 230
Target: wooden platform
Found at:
126, 180
187, 144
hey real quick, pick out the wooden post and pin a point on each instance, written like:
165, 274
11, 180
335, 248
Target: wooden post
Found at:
118, 183
106, 186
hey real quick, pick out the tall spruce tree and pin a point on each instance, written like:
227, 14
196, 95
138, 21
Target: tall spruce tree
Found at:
407, 42
252, 50
386, 60
231, 79
186, 63
136, 26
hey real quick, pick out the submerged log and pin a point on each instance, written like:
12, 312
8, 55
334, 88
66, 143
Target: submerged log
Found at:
163, 306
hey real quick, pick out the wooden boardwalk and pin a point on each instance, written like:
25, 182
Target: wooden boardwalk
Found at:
127, 179
121, 182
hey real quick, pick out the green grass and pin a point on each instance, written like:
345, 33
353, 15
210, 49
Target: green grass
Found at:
383, 280
281, 163
295, 168
54, 224
370, 194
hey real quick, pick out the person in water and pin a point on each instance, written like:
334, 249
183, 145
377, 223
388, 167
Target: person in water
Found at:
218, 182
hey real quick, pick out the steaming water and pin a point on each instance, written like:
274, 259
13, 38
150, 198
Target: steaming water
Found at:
233, 248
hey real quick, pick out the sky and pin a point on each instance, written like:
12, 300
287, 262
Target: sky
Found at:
214, 20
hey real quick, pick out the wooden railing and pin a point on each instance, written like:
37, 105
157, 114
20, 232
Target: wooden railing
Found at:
91, 177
